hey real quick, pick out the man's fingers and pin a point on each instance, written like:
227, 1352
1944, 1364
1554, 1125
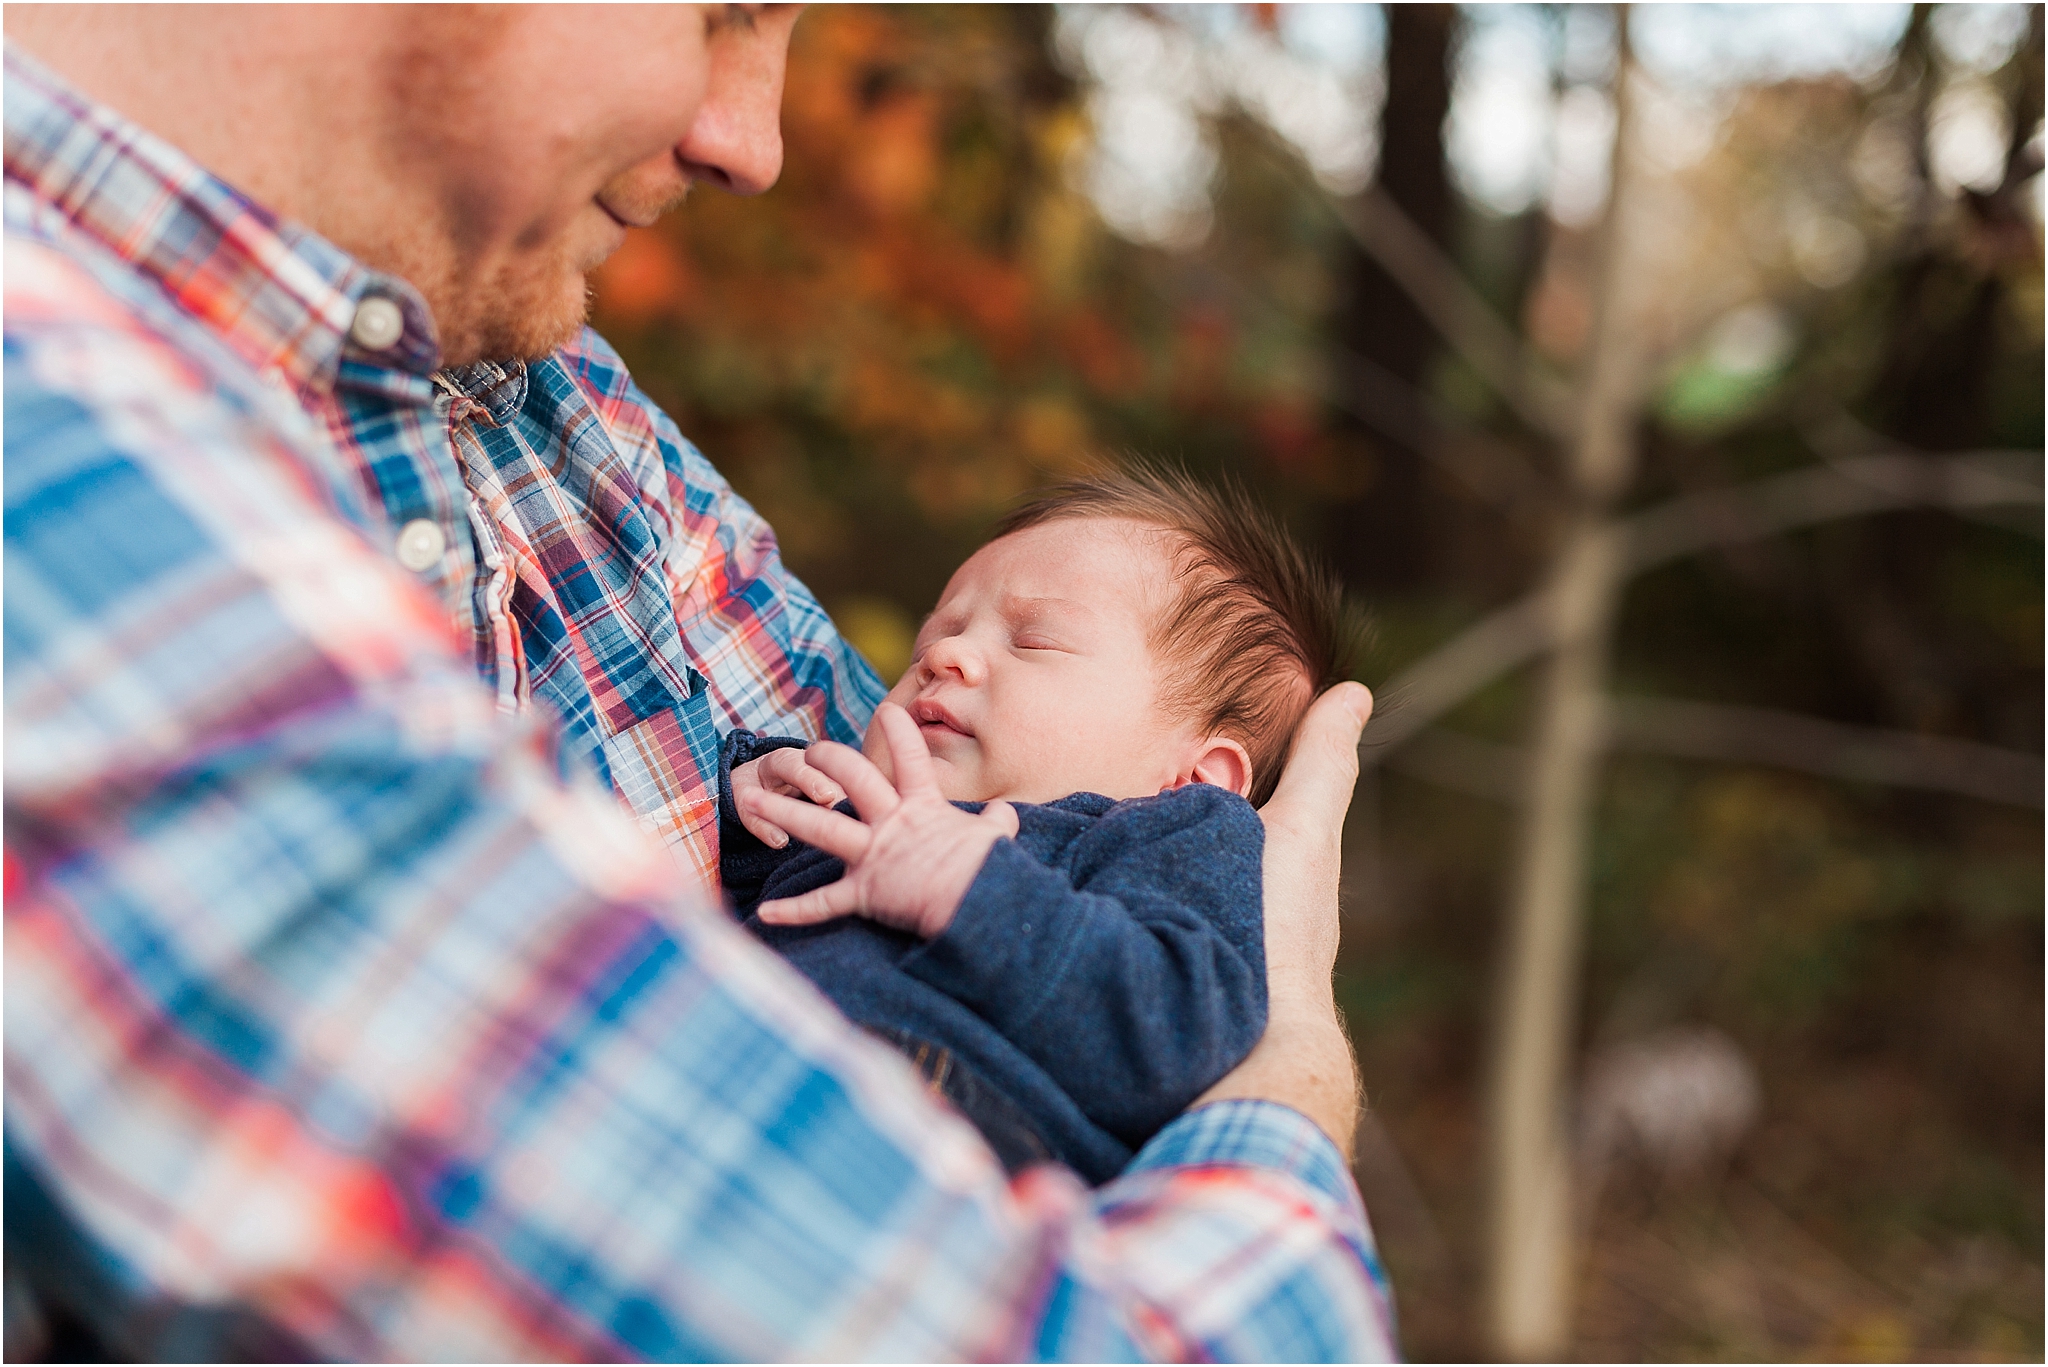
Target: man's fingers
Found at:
874, 797
1323, 768
820, 904
908, 755
830, 831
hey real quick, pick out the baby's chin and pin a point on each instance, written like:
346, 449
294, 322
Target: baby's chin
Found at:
961, 786
954, 785
1037, 794
958, 783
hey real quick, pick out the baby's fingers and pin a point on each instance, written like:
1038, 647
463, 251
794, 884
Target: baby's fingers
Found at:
792, 772
909, 757
1002, 816
763, 830
874, 797
821, 904
828, 830
817, 787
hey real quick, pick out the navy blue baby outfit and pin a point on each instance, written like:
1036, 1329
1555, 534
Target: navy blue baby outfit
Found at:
1104, 969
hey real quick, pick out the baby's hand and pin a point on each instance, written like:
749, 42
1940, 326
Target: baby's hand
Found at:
781, 771
912, 855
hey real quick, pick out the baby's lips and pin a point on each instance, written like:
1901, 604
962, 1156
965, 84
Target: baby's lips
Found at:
926, 712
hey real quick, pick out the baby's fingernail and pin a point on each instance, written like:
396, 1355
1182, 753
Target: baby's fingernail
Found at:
779, 841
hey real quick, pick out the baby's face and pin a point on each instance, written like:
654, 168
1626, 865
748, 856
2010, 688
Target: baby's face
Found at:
1033, 678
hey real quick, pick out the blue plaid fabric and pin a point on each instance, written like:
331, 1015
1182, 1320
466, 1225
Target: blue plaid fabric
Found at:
342, 987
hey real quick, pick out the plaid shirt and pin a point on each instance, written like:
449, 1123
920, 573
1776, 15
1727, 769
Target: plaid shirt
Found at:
335, 986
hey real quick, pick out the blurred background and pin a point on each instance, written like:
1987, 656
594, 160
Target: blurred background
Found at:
1667, 385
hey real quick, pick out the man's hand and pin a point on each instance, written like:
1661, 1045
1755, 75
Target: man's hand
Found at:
912, 855
1304, 1060
788, 771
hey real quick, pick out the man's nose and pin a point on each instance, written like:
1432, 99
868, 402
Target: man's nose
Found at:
736, 139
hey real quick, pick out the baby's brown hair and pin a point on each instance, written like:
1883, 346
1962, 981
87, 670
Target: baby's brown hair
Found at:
1254, 630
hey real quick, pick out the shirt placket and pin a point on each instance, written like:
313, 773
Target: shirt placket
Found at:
485, 395
500, 654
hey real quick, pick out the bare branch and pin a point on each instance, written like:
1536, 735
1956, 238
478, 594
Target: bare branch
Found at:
1464, 320
1843, 488
1747, 735
1447, 676
1784, 740
1837, 438
1491, 468
1465, 764
1384, 1173
1424, 691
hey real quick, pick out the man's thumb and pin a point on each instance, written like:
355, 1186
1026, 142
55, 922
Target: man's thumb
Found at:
1323, 768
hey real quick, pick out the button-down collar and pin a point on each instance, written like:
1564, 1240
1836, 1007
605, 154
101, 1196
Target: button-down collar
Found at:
489, 391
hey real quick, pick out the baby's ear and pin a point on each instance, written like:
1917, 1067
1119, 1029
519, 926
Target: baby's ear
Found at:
1222, 762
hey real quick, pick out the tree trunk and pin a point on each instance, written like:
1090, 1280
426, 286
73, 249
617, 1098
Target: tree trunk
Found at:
1382, 539
1533, 1264
1530, 1159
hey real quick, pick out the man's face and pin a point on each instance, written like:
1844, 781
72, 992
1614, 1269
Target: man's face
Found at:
1034, 677
535, 135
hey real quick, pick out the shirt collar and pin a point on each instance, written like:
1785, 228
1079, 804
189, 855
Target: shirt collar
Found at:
490, 391
283, 297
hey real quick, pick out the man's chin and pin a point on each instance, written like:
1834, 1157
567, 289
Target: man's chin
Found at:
528, 324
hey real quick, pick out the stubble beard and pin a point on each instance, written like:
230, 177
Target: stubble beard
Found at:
531, 303
526, 309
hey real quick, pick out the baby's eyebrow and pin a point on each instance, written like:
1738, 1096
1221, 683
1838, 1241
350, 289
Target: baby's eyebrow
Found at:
1021, 609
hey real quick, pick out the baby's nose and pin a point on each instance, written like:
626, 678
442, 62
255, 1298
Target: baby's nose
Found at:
957, 656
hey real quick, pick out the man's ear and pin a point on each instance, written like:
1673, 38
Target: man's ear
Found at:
1220, 761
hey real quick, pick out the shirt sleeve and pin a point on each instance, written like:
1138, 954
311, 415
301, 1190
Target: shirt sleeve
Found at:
1132, 973
326, 996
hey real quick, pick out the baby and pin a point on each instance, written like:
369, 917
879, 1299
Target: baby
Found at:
1050, 894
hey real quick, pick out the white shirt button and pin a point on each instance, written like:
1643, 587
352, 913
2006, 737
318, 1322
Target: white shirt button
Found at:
421, 544
378, 324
